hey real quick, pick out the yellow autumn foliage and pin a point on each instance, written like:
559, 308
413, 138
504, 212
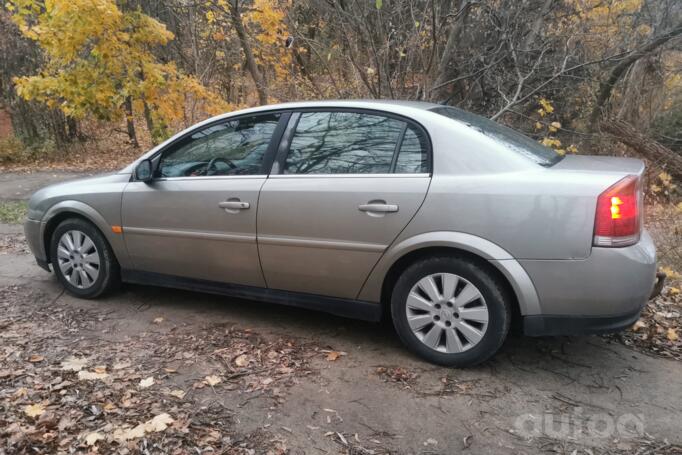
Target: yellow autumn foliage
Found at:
98, 55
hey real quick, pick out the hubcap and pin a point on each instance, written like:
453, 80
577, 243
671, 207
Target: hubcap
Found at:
447, 313
78, 259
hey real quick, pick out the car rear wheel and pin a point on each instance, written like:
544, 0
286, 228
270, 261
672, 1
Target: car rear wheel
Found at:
450, 311
83, 260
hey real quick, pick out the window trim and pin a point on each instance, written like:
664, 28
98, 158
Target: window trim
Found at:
268, 156
287, 136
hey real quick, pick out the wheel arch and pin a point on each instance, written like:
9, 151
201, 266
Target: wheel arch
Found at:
76, 209
499, 262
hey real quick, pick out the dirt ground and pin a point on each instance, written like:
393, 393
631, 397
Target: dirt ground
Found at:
151, 370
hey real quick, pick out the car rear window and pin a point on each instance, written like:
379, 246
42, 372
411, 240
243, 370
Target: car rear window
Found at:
512, 140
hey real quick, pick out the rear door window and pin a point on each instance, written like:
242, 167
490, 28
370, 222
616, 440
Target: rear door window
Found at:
339, 142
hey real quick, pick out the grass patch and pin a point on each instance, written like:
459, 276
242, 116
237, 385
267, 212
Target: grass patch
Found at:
13, 212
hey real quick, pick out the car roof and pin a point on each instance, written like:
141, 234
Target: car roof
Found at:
359, 103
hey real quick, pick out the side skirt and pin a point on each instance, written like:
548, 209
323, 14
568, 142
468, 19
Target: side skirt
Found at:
356, 309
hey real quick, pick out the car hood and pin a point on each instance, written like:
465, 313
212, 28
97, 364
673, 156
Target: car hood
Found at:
44, 198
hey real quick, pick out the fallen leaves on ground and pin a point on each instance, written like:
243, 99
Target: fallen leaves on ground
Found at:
213, 380
398, 375
147, 382
334, 355
74, 364
34, 410
63, 390
91, 375
658, 329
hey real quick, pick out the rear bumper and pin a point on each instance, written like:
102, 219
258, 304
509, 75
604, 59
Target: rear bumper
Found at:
539, 325
603, 293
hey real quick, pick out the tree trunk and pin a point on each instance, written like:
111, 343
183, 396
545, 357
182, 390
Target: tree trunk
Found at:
150, 123
648, 148
447, 68
606, 87
261, 86
130, 124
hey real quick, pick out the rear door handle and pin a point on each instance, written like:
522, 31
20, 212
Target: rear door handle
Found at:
378, 208
234, 205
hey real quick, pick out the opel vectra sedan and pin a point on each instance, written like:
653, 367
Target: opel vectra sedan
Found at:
451, 223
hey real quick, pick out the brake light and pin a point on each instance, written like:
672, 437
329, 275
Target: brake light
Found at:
618, 219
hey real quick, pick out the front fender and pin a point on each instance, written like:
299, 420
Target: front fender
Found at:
116, 241
498, 257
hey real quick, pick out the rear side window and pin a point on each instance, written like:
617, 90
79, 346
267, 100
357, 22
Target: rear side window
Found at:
413, 157
353, 143
512, 140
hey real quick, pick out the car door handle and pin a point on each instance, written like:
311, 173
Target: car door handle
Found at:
378, 208
234, 205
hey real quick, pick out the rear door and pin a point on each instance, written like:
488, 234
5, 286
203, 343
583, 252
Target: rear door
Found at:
345, 183
197, 218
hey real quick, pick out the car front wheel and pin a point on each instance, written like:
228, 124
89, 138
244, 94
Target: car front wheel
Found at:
82, 259
451, 311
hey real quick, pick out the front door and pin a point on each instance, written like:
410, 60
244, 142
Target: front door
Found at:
350, 182
197, 218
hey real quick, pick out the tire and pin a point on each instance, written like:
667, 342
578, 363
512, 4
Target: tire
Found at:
96, 270
468, 339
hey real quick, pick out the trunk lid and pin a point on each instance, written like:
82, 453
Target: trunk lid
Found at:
601, 164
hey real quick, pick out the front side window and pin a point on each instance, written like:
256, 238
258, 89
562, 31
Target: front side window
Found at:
343, 143
234, 147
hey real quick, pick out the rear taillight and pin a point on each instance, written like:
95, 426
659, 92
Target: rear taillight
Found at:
619, 214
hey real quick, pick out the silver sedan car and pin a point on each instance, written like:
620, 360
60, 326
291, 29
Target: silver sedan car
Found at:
455, 226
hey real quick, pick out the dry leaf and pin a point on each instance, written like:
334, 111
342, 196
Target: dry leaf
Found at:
158, 423
177, 393
35, 358
242, 360
74, 364
90, 376
640, 324
672, 334
34, 410
20, 392
334, 355
158, 320
100, 369
92, 438
148, 382
109, 407
121, 365
212, 380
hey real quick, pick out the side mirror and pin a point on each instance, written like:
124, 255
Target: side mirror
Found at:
143, 171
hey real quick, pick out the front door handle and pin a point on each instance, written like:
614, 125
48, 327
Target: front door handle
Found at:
234, 205
378, 208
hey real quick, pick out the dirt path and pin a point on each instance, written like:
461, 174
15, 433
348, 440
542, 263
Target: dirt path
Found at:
299, 399
20, 185
234, 376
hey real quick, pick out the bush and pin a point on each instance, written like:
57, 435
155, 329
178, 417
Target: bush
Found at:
14, 151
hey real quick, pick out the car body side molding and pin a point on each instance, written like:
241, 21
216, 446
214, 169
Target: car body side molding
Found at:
356, 309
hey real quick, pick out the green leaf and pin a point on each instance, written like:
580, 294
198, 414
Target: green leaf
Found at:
378, 4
